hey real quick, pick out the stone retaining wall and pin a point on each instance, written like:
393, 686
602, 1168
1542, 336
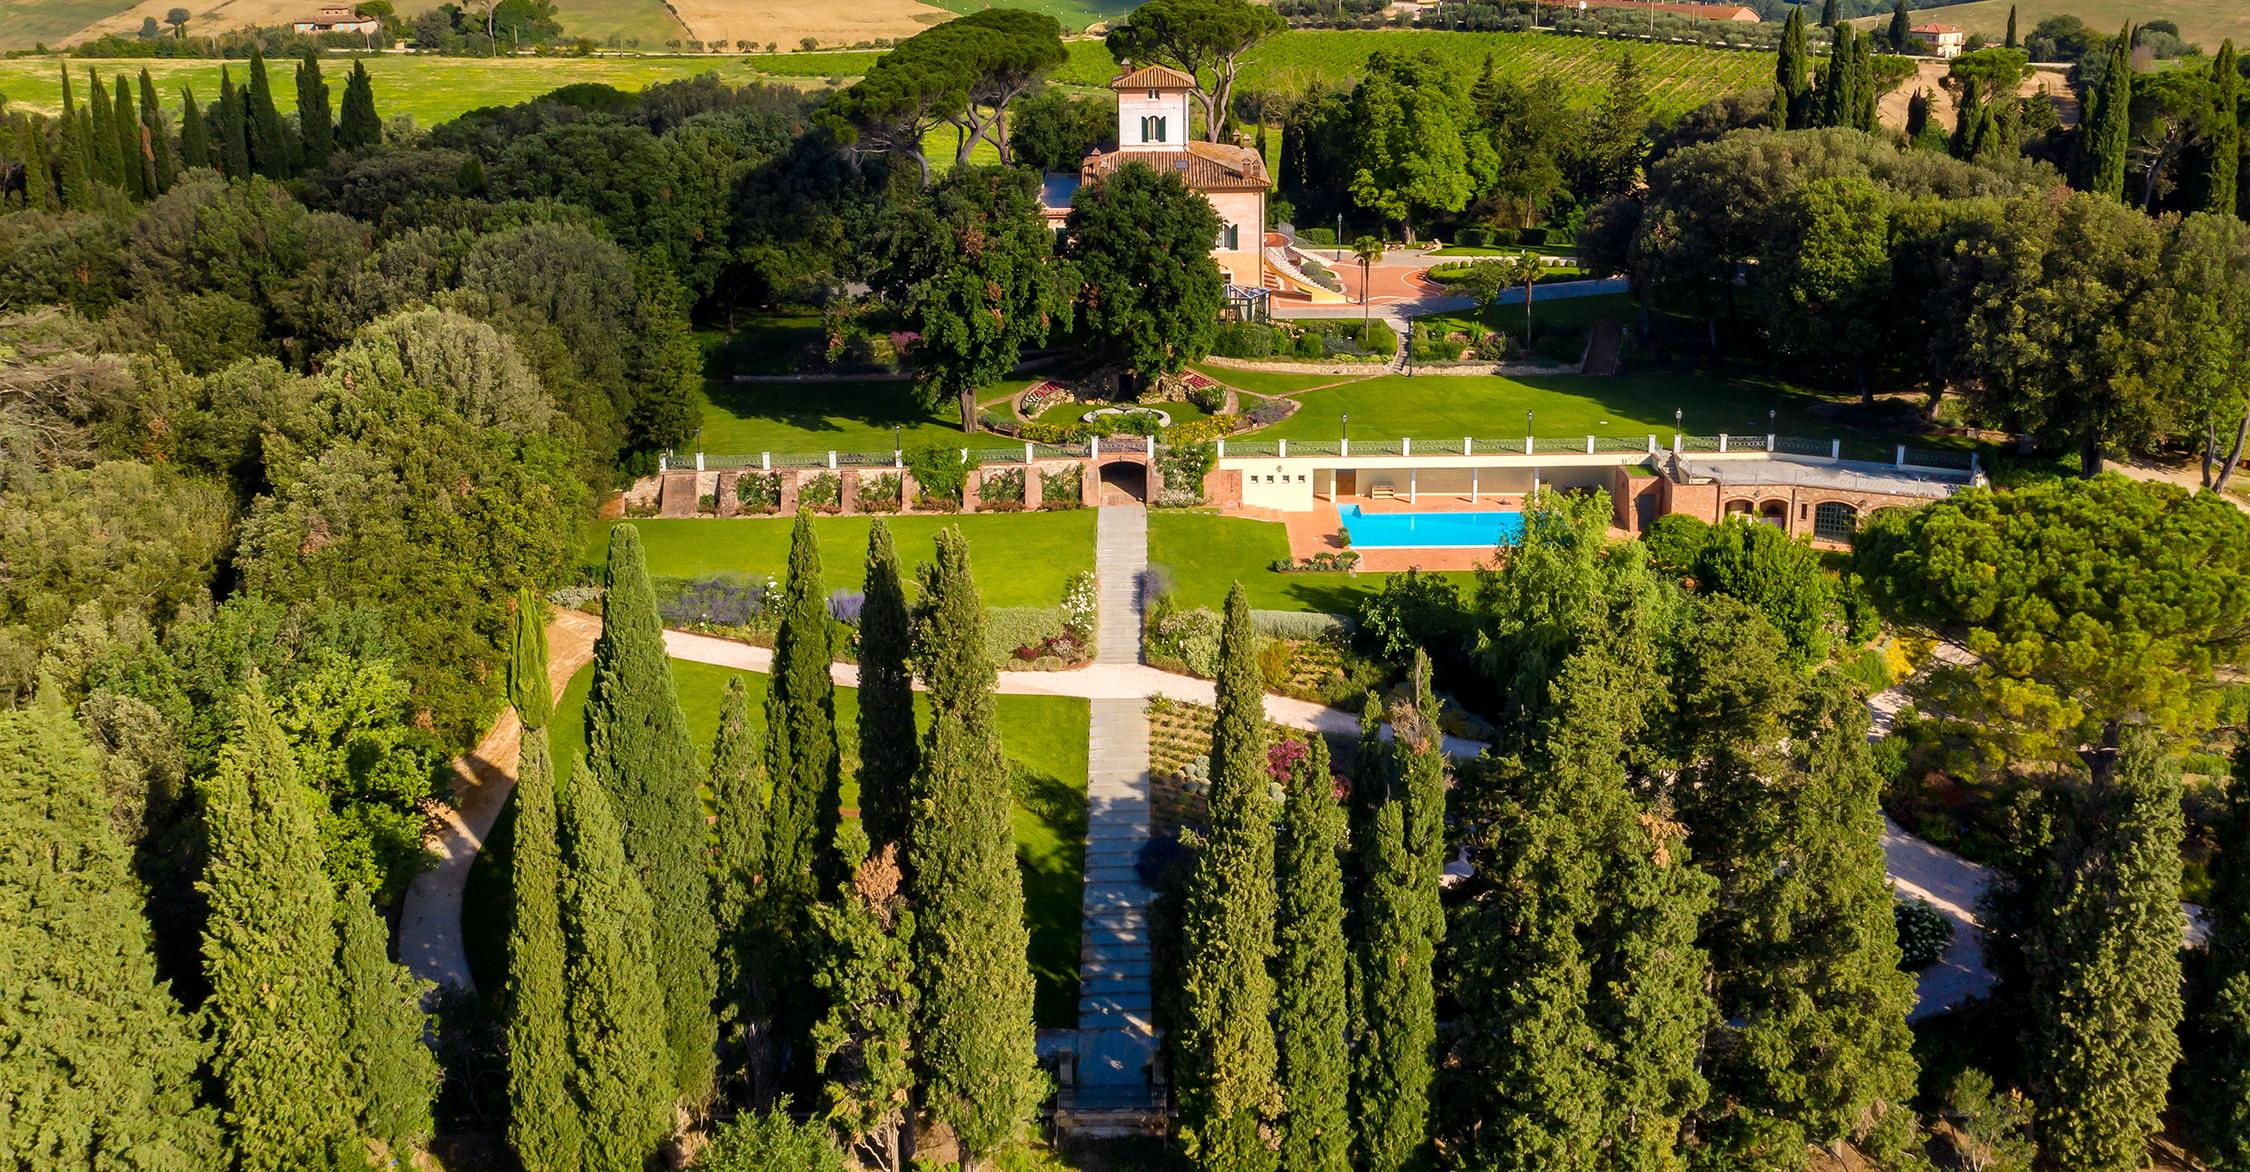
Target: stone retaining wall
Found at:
724, 485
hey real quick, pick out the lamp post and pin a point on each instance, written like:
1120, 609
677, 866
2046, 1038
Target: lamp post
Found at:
1339, 237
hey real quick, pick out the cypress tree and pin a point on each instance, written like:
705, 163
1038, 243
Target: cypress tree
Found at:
863, 1045
358, 128
271, 153
1864, 97
74, 176
1227, 1090
230, 136
1792, 75
2223, 137
132, 158
2103, 958
269, 950
1900, 28
1421, 756
39, 170
1309, 988
163, 168
195, 138
974, 1029
99, 1064
315, 126
887, 742
543, 1123
1397, 1015
2104, 135
2010, 42
108, 164
620, 1075
801, 756
1967, 129
2218, 1073
390, 1070
1838, 106
1828, 14
738, 798
638, 748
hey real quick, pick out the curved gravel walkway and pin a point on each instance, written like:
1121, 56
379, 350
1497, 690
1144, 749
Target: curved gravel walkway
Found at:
429, 925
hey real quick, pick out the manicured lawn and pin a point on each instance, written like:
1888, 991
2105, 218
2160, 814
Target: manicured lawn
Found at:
1443, 408
1020, 559
1272, 382
774, 343
1069, 412
1507, 250
1043, 737
743, 419
1207, 554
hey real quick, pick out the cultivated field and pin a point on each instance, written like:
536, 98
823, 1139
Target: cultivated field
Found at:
434, 89
24, 23
640, 24
2204, 21
787, 22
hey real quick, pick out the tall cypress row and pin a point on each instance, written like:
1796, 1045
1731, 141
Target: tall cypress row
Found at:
888, 750
1839, 104
39, 169
801, 755
2218, 1071
230, 133
1227, 1089
738, 798
2223, 136
1792, 75
100, 1064
358, 128
1309, 986
163, 167
132, 161
269, 950
620, 1075
638, 748
1397, 1012
108, 164
2010, 42
195, 136
272, 154
2103, 957
2104, 135
389, 1069
315, 126
543, 1122
974, 1028
1864, 95
1421, 786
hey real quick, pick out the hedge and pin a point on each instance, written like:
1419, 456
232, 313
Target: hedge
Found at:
1301, 624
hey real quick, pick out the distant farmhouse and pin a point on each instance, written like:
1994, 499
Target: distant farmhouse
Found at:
1944, 40
1153, 128
1731, 12
337, 18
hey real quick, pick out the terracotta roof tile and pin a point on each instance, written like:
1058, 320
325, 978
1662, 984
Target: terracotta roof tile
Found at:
1207, 166
1153, 77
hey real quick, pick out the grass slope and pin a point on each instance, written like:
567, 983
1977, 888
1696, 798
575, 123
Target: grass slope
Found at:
747, 418
1206, 554
2205, 22
647, 22
1021, 559
25, 23
1043, 737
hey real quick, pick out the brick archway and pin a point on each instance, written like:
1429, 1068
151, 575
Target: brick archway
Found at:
1122, 481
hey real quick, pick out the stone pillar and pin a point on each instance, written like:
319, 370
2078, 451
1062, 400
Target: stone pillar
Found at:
970, 482
1034, 488
1152, 483
729, 503
906, 491
789, 491
847, 490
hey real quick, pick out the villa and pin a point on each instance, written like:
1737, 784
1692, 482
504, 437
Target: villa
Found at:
337, 18
1154, 129
1945, 40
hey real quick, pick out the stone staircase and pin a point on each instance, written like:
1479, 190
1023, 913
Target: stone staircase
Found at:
1605, 349
677, 495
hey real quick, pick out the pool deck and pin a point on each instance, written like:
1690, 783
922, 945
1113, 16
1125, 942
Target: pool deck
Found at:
1314, 532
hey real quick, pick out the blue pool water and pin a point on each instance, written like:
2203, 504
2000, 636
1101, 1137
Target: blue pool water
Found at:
1430, 530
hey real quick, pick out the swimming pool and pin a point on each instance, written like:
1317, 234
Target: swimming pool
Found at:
1430, 530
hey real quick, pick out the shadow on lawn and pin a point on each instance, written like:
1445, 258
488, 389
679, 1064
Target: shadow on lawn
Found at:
826, 406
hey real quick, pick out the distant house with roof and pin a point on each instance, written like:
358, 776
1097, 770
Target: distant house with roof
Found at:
1944, 40
1154, 130
337, 18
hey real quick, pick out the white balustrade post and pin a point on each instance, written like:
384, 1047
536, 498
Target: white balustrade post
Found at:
1589, 445
1675, 443
1900, 462
1835, 449
1152, 447
1027, 453
1344, 446
1094, 447
699, 461
663, 463
1527, 445
1406, 447
1281, 447
1769, 441
1465, 446
1222, 449
1722, 441
1652, 445
765, 461
832, 461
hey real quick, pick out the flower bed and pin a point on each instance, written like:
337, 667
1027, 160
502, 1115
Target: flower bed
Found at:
1179, 743
1327, 561
1063, 488
758, 492
1040, 397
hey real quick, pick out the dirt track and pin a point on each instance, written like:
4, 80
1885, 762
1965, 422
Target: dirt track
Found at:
1942, 110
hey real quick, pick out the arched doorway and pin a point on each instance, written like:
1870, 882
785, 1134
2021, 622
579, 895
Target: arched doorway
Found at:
1834, 521
1737, 508
1124, 482
1774, 513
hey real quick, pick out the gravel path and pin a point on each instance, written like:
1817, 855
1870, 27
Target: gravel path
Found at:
429, 927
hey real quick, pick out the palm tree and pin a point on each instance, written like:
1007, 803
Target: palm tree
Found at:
1524, 270
1368, 250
